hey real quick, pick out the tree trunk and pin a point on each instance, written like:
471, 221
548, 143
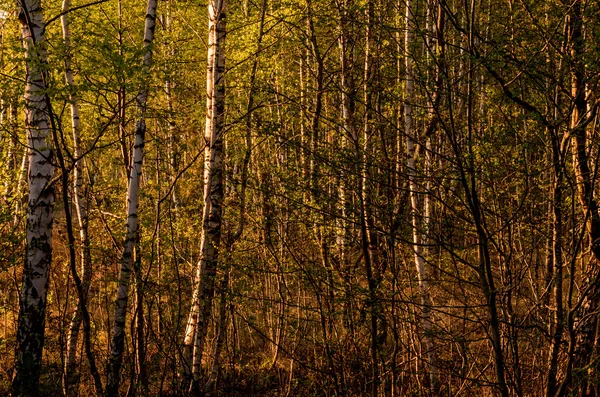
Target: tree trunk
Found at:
213, 377
557, 261
469, 182
587, 319
213, 193
582, 317
71, 379
135, 173
417, 223
40, 211
348, 105
212, 382
316, 116
367, 225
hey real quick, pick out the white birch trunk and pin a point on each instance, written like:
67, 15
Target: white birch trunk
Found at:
212, 382
71, 376
414, 204
135, 174
213, 193
367, 223
348, 141
40, 211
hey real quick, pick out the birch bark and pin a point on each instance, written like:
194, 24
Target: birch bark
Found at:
213, 194
318, 102
135, 174
348, 105
212, 381
414, 204
40, 211
367, 224
71, 376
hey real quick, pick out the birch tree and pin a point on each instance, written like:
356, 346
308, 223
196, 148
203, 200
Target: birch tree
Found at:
204, 288
40, 210
416, 221
71, 376
135, 174
212, 381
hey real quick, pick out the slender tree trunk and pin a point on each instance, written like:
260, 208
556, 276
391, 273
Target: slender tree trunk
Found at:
71, 379
368, 242
303, 163
122, 99
135, 173
23, 172
417, 224
142, 373
213, 193
469, 182
557, 279
10, 124
81, 307
318, 103
587, 319
40, 213
212, 381
8, 166
169, 86
348, 105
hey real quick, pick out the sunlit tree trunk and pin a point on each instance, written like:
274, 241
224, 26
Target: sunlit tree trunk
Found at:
23, 170
318, 102
170, 72
8, 122
557, 262
348, 106
71, 376
40, 211
587, 319
135, 174
470, 185
213, 194
10, 152
416, 212
367, 224
212, 381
